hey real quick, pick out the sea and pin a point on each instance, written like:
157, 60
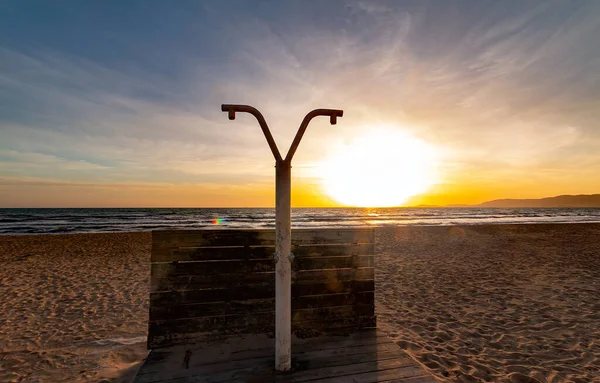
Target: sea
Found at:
48, 221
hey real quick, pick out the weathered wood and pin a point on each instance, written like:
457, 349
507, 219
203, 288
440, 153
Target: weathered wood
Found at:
187, 331
340, 262
203, 309
214, 359
256, 320
250, 347
334, 275
224, 281
257, 291
256, 252
255, 237
362, 356
207, 281
330, 287
263, 372
195, 282
163, 270
223, 369
243, 267
406, 374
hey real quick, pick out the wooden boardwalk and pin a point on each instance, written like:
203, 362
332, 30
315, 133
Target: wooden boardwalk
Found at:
361, 356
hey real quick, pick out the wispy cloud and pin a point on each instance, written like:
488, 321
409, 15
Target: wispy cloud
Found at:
497, 87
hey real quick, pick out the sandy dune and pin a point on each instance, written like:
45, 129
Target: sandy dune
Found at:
482, 303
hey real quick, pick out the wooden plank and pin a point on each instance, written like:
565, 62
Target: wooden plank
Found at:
425, 378
184, 331
340, 262
332, 250
334, 275
194, 282
264, 372
172, 332
254, 252
238, 348
332, 300
243, 267
194, 320
331, 287
402, 364
257, 291
207, 281
163, 270
406, 374
198, 310
324, 359
256, 237
237, 293
249, 347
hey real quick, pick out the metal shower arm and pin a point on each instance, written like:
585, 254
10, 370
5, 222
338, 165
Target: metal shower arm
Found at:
232, 109
333, 115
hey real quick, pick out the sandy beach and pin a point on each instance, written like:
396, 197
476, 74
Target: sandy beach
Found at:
507, 303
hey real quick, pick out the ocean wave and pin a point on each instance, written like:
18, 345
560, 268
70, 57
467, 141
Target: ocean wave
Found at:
57, 221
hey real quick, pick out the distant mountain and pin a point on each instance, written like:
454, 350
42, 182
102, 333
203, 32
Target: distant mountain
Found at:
583, 200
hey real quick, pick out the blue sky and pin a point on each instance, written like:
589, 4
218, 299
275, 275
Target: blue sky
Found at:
116, 103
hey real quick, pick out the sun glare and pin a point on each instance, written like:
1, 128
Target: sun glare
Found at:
382, 168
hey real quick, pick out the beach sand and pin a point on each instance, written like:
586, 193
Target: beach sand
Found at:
73, 307
514, 303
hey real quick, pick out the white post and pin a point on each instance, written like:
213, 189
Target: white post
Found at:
283, 269
283, 221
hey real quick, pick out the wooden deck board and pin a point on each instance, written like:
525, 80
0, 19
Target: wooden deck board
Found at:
364, 356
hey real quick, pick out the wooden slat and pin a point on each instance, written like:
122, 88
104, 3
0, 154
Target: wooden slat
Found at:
237, 293
253, 252
256, 237
198, 310
382, 352
251, 346
194, 282
184, 331
311, 314
162, 270
334, 275
214, 359
402, 365
343, 262
332, 300
263, 291
300, 289
243, 267
406, 374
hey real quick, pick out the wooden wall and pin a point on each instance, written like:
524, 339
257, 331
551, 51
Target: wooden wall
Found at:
210, 283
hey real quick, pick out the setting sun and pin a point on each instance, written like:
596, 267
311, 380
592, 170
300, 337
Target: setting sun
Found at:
382, 168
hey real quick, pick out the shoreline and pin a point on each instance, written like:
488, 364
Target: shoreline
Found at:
377, 227
472, 303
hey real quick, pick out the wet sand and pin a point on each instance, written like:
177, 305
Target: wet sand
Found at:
514, 303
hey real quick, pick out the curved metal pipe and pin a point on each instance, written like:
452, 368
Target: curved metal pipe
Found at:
333, 115
232, 109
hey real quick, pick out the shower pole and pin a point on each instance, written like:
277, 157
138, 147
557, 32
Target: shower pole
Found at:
283, 227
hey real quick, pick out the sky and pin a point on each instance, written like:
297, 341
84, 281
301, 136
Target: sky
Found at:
117, 103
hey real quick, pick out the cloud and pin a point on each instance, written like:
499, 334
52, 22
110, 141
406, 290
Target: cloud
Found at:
495, 87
